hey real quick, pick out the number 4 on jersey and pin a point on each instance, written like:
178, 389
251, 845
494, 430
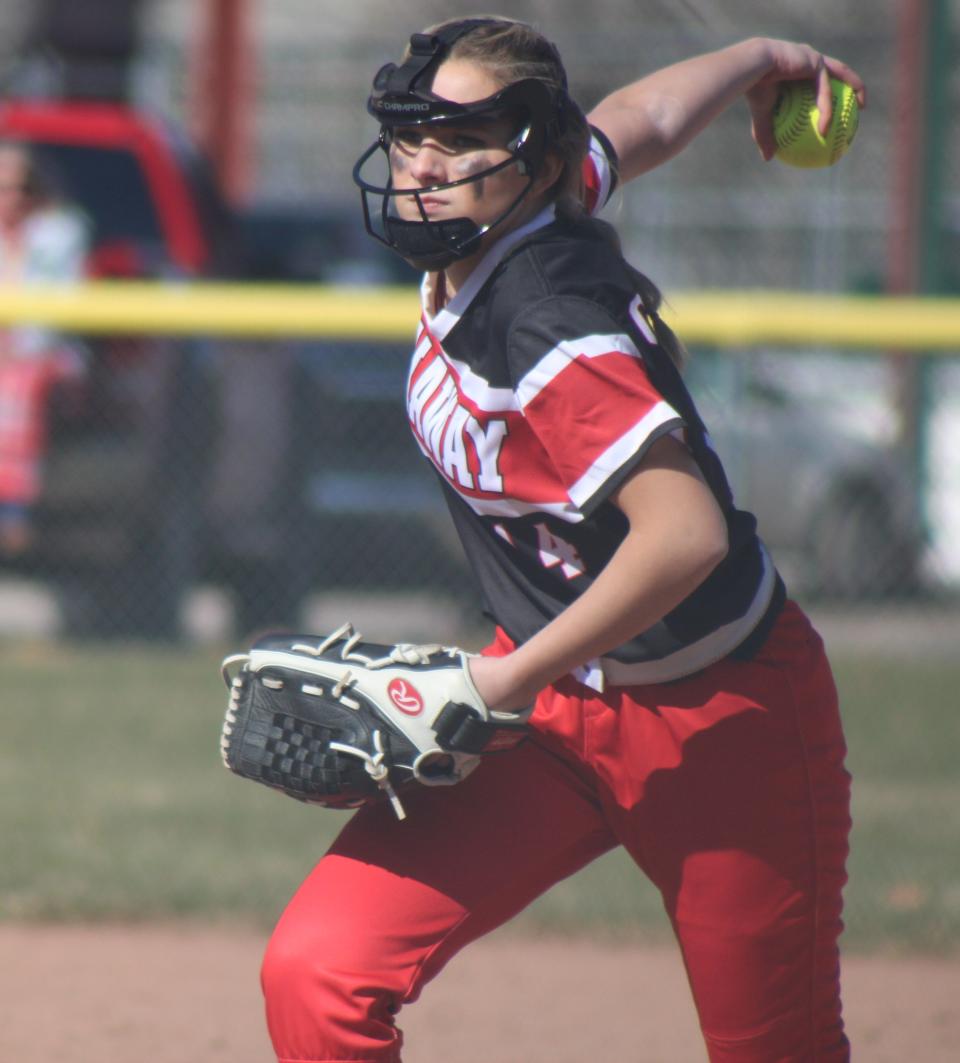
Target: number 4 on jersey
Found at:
554, 551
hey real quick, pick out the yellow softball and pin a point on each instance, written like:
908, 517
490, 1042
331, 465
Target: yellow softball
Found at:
795, 119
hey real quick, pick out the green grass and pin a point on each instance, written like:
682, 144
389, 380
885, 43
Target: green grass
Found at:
903, 732
114, 805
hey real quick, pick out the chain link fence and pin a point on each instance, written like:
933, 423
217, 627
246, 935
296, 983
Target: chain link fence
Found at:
256, 475
268, 473
263, 477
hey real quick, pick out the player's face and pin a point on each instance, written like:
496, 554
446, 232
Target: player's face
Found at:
423, 156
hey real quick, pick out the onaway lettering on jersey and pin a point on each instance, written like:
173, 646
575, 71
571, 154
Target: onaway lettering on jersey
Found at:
447, 431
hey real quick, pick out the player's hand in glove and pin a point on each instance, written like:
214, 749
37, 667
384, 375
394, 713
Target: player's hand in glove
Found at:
338, 721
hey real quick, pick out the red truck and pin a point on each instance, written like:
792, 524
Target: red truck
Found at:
117, 523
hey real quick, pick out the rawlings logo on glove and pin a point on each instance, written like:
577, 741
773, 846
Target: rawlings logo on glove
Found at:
405, 697
337, 721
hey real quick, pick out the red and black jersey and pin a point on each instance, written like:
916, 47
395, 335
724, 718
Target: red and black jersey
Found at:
535, 392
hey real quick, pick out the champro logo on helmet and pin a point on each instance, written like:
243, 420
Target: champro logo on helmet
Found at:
390, 105
402, 96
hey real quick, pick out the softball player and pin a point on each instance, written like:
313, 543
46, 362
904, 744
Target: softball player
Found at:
684, 706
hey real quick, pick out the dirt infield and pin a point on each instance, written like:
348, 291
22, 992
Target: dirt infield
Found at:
184, 995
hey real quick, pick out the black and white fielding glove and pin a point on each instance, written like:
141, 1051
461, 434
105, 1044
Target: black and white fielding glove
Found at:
338, 721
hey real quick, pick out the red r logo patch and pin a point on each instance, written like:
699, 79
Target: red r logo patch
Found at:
406, 697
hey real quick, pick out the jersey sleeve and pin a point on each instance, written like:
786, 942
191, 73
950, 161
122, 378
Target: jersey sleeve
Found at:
583, 389
599, 172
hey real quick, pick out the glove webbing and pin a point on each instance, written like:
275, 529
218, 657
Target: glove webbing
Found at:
373, 763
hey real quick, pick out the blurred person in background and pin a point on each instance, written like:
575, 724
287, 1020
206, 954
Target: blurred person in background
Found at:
684, 706
42, 240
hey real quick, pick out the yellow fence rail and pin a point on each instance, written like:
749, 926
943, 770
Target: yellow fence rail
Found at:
723, 318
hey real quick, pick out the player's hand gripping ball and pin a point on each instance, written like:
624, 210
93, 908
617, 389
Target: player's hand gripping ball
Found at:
795, 124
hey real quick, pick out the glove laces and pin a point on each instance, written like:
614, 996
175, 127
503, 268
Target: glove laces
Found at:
375, 767
402, 653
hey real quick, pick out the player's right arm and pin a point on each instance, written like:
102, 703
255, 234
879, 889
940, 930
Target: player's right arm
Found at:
651, 120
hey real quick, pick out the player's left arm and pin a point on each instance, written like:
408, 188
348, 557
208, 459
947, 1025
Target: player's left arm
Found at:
676, 536
651, 120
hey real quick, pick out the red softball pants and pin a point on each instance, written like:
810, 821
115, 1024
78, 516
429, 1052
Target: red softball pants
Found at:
729, 791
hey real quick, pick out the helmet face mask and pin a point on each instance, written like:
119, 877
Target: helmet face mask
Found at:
530, 106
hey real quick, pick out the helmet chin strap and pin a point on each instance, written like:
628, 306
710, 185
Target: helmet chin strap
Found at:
433, 246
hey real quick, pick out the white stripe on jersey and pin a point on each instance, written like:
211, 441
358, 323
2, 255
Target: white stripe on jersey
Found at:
552, 364
619, 453
691, 658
